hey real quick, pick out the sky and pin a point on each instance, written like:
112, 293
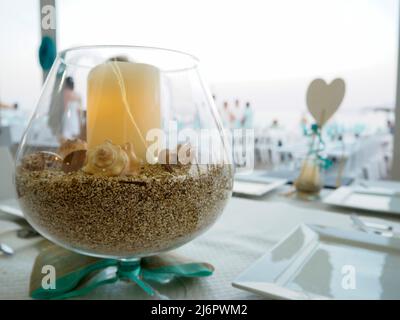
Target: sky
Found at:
278, 44
20, 74
246, 39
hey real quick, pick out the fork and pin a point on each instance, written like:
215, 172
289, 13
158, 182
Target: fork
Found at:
374, 228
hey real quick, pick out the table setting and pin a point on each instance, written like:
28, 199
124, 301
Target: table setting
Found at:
247, 230
132, 204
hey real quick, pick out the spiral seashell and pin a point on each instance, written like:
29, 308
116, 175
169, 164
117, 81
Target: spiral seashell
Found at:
186, 154
134, 164
106, 159
167, 156
182, 156
74, 161
69, 146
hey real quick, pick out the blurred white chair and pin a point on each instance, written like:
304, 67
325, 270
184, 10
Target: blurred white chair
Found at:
6, 174
5, 136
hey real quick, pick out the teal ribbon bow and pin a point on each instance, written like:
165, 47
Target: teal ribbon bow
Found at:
107, 271
317, 146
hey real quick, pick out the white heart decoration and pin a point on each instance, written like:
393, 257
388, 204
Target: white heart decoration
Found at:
323, 99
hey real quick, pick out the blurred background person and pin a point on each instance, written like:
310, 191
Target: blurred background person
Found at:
65, 116
228, 117
238, 113
72, 111
8, 106
247, 118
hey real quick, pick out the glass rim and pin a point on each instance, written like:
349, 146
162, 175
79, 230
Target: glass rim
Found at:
61, 54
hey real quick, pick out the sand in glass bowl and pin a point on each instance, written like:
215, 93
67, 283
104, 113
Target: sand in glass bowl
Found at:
85, 177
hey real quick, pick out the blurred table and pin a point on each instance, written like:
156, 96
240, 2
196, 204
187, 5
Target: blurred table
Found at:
365, 157
247, 229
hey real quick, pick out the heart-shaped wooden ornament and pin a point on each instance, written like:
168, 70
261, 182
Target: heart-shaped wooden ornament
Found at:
324, 99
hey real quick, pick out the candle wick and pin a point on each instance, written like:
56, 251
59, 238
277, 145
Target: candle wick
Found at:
121, 83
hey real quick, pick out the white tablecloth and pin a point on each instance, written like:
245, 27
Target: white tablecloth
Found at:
246, 230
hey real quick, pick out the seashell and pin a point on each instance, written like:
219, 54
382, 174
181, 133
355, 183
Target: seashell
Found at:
185, 154
41, 160
74, 161
106, 159
69, 146
167, 156
134, 164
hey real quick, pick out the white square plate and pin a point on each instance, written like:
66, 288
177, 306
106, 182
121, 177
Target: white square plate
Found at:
316, 262
258, 189
11, 206
371, 198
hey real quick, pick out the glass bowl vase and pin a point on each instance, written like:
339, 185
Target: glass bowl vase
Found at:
125, 155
